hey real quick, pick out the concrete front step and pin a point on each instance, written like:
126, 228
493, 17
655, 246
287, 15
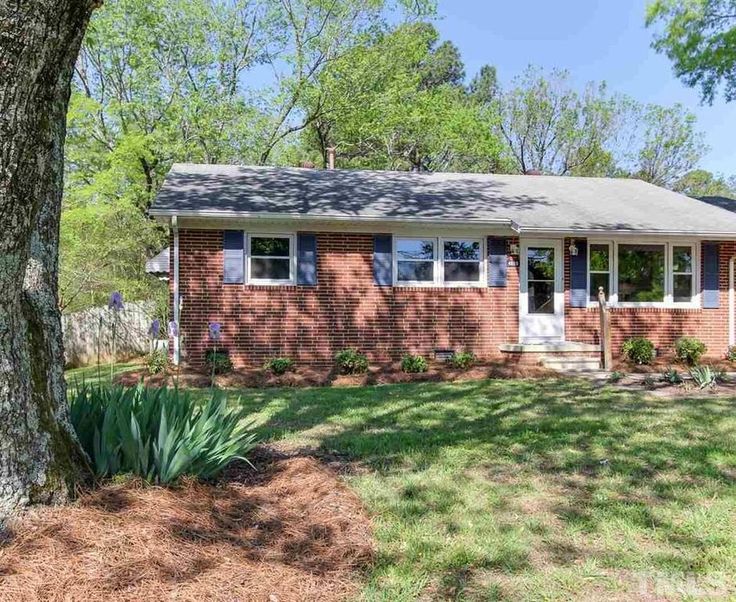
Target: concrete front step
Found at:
572, 364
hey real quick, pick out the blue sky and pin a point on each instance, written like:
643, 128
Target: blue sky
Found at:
603, 40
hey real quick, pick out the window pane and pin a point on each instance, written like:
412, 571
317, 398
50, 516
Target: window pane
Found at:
462, 249
640, 273
541, 263
599, 259
466, 271
682, 259
415, 271
269, 247
269, 269
541, 297
407, 248
598, 280
683, 288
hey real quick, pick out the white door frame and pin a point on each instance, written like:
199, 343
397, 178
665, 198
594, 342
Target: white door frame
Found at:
540, 328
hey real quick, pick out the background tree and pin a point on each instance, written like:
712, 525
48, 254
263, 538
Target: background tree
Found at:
549, 127
700, 182
665, 144
399, 102
40, 458
699, 37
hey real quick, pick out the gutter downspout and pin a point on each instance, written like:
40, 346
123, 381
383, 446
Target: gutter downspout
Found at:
176, 300
731, 303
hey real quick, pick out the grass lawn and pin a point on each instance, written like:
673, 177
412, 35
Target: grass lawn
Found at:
537, 490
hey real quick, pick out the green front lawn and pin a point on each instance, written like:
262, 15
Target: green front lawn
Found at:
529, 490
516, 490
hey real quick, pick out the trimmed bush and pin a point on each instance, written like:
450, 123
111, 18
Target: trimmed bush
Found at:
731, 353
157, 361
689, 350
414, 364
638, 350
463, 360
351, 361
279, 365
218, 361
158, 434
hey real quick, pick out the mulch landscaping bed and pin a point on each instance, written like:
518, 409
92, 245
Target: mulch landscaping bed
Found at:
312, 376
288, 531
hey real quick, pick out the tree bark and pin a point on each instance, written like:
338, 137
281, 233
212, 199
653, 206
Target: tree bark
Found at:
40, 457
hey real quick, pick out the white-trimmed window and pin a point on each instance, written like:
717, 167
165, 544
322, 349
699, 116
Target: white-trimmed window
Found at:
271, 258
683, 273
644, 273
600, 269
429, 261
462, 261
415, 260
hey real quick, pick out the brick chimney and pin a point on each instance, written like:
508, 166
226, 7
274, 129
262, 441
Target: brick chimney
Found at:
331, 151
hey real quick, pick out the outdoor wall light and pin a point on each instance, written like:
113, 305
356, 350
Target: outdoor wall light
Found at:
573, 249
514, 248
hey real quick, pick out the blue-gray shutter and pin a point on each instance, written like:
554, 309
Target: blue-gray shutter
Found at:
579, 275
497, 261
711, 298
306, 259
232, 254
383, 272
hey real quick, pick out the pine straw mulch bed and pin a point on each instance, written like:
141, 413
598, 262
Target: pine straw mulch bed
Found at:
315, 376
290, 531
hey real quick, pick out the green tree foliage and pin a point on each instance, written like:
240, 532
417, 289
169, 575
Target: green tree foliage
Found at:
399, 103
700, 183
699, 37
665, 144
159, 81
550, 127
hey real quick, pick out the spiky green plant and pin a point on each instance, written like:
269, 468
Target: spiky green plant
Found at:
704, 376
158, 434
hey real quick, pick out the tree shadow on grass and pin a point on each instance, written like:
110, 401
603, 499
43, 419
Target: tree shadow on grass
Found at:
609, 453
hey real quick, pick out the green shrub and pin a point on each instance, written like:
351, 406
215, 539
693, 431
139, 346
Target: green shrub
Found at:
351, 361
672, 376
414, 363
218, 360
689, 350
157, 361
731, 353
704, 376
158, 434
279, 365
649, 382
638, 350
615, 377
463, 360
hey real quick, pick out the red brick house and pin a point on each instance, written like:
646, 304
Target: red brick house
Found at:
305, 262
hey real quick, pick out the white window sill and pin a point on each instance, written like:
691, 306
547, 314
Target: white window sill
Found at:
654, 304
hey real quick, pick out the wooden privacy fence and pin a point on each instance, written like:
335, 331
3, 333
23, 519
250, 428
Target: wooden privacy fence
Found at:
85, 330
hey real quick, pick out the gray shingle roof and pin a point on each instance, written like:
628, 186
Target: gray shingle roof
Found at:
531, 202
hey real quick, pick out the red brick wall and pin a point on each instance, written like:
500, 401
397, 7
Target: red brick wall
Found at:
345, 309
661, 325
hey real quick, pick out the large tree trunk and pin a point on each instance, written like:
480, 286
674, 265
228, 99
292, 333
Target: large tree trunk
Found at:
40, 458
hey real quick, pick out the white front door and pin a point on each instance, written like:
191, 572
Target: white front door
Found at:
542, 293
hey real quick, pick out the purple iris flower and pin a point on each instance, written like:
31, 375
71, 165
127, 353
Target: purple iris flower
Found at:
116, 301
215, 328
173, 329
155, 328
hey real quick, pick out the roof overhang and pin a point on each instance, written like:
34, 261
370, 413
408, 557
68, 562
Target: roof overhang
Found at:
217, 218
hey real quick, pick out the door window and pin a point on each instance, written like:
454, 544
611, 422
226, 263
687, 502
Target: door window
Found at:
541, 280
